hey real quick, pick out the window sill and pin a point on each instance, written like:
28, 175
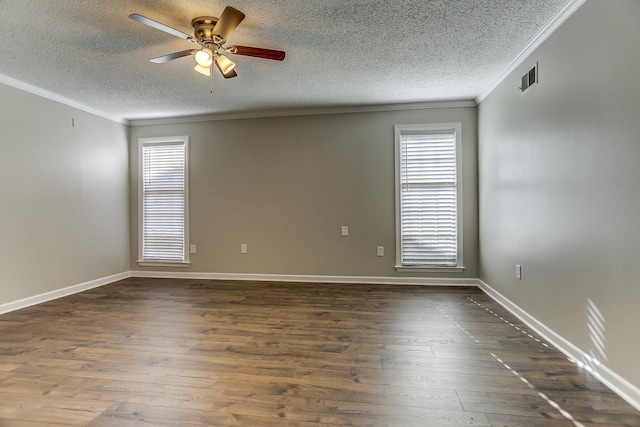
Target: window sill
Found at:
415, 269
183, 264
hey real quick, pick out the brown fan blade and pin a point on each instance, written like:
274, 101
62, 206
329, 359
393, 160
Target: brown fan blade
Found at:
158, 26
228, 21
276, 55
172, 56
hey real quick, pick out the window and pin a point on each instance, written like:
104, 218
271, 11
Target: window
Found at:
163, 201
428, 197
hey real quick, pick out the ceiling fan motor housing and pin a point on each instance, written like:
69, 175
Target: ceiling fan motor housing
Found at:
203, 29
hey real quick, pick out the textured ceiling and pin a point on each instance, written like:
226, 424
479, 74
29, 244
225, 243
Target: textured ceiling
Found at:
339, 52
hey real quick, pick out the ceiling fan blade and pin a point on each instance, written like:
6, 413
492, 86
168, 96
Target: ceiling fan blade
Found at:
158, 26
228, 21
175, 55
276, 55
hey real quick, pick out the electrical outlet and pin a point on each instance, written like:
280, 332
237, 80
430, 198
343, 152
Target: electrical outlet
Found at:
518, 272
192, 249
243, 248
380, 251
344, 230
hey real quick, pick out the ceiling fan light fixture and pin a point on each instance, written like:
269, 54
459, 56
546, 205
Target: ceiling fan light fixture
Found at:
210, 35
203, 70
224, 64
204, 57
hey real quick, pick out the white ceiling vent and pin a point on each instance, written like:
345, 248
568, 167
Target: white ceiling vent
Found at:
529, 79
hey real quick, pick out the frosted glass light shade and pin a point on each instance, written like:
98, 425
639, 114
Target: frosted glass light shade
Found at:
203, 70
204, 57
224, 64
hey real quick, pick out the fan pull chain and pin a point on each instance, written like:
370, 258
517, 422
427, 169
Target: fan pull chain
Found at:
211, 74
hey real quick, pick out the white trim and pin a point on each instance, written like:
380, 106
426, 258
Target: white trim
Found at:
615, 382
539, 38
404, 268
143, 263
17, 84
59, 293
303, 112
368, 280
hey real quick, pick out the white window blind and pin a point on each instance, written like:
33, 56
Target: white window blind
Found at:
164, 195
428, 197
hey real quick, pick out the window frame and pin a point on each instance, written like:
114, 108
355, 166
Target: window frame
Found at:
142, 142
428, 128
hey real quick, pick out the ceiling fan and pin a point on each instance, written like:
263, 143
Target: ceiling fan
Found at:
210, 34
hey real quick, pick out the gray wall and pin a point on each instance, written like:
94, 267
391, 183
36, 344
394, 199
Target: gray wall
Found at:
64, 192
559, 174
285, 185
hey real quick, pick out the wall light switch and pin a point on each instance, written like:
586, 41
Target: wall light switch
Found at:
192, 249
344, 230
518, 272
243, 248
380, 251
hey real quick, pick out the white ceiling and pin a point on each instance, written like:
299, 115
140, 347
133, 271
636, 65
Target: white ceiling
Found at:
340, 53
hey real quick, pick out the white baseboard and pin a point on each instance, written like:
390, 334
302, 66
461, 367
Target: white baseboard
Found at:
615, 382
59, 293
369, 280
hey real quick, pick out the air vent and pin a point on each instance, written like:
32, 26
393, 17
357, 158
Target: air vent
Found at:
529, 79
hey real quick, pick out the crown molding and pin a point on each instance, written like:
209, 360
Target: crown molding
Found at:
17, 84
539, 38
303, 112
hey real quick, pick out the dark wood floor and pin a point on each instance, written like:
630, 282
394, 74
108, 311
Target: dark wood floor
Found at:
152, 352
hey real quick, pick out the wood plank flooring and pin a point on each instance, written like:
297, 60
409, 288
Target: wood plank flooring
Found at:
155, 352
